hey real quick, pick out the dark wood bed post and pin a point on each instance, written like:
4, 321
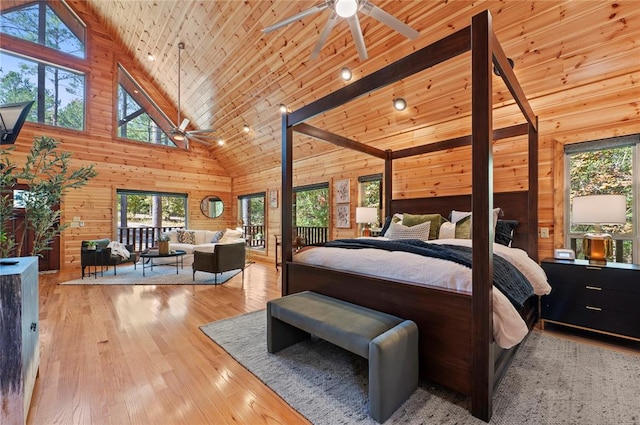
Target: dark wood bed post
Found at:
482, 206
287, 200
388, 184
533, 189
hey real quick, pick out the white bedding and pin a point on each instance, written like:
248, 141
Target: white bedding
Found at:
508, 327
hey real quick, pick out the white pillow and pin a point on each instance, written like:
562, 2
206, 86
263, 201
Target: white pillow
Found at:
459, 215
231, 235
447, 231
173, 236
400, 231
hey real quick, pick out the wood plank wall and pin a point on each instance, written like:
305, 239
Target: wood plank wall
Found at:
121, 164
605, 106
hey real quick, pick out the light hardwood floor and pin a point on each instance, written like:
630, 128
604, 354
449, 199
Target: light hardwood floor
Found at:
135, 355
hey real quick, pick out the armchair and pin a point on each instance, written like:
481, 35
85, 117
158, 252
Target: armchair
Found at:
103, 257
225, 257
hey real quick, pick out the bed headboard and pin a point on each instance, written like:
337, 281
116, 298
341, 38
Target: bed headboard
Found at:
514, 205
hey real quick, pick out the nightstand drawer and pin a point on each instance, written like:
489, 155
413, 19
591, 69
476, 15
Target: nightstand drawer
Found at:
593, 318
594, 295
611, 277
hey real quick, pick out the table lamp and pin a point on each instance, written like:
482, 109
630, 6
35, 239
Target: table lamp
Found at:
598, 210
366, 216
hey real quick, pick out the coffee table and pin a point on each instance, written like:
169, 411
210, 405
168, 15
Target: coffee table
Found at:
148, 257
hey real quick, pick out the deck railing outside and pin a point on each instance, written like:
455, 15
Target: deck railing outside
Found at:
143, 238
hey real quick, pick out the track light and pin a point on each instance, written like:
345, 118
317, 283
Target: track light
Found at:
399, 104
346, 74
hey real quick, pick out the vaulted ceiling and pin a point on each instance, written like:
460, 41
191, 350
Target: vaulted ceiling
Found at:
233, 74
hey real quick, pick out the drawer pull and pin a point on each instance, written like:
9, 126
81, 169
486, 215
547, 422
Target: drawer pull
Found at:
593, 308
594, 288
594, 268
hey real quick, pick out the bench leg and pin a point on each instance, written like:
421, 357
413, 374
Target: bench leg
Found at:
393, 369
281, 334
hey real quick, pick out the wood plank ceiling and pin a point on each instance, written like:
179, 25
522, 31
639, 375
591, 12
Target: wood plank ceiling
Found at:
233, 74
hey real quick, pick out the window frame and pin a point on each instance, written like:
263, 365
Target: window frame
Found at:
251, 230
571, 239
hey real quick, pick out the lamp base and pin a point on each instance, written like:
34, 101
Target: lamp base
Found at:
597, 247
366, 231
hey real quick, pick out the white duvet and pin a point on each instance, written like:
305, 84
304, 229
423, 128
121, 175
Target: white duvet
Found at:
508, 327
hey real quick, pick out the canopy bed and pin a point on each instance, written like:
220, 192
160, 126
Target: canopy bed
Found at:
457, 347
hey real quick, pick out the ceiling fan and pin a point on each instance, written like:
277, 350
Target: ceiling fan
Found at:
347, 9
180, 132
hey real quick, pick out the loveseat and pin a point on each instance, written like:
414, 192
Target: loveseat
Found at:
200, 240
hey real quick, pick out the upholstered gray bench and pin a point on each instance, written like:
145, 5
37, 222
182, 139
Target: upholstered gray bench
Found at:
388, 342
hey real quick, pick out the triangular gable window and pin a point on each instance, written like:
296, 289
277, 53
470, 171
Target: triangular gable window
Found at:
139, 118
61, 29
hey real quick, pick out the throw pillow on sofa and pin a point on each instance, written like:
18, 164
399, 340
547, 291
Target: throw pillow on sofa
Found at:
217, 236
186, 236
231, 235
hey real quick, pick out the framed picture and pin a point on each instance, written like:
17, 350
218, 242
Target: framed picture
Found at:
273, 199
342, 217
342, 191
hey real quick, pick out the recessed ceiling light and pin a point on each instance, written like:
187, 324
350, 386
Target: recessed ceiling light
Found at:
399, 104
283, 108
346, 8
220, 142
150, 57
246, 128
346, 74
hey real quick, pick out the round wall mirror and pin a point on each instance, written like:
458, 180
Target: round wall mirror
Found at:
212, 206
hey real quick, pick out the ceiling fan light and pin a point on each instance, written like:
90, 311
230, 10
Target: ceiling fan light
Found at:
346, 74
399, 104
179, 137
346, 8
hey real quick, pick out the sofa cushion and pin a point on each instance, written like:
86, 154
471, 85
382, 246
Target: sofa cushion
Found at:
173, 236
186, 236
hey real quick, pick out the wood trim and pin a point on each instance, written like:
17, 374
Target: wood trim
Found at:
338, 140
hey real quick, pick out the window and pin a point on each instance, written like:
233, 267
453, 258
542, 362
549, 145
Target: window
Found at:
371, 191
61, 29
59, 92
139, 118
608, 166
143, 216
311, 212
251, 215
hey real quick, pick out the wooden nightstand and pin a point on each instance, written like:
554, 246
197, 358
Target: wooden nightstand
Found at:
602, 298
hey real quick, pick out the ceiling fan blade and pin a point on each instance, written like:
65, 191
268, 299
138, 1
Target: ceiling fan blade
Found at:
183, 125
389, 20
331, 22
297, 16
356, 32
199, 140
203, 131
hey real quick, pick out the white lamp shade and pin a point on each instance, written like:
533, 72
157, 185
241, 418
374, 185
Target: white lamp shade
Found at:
366, 215
599, 209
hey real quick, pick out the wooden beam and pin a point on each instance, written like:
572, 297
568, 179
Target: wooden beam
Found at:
502, 133
482, 204
433, 54
338, 140
509, 78
287, 200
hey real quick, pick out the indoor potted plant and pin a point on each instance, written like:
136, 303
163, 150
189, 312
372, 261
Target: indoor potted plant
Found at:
163, 244
91, 245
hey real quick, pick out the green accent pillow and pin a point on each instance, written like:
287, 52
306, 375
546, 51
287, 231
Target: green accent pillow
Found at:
463, 228
435, 219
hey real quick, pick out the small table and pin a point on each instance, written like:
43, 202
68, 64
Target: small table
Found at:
151, 254
95, 260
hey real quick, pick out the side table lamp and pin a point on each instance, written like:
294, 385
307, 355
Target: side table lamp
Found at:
366, 216
598, 210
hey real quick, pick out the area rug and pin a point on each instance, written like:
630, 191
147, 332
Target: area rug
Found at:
551, 381
159, 275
